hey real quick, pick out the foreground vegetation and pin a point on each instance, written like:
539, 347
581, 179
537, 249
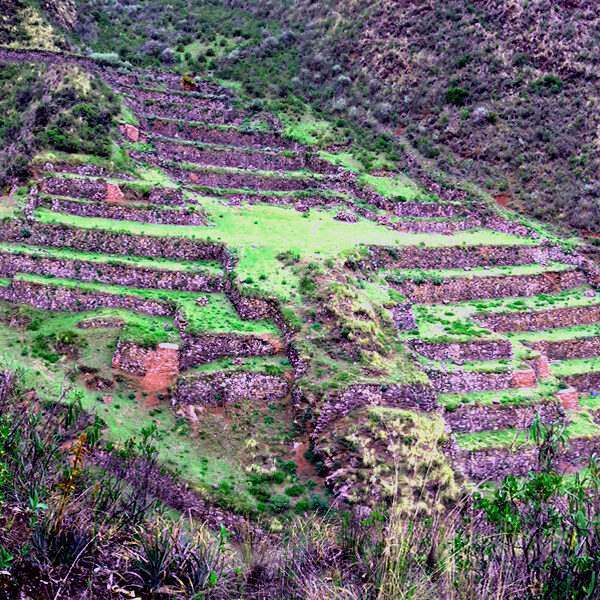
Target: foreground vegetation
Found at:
80, 516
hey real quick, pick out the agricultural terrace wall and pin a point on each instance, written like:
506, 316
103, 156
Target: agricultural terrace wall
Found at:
554, 318
55, 298
214, 135
151, 96
502, 225
300, 203
468, 381
205, 348
46, 57
101, 322
137, 360
110, 242
111, 273
120, 212
496, 463
87, 170
469, 419
300, 364
404, 317
584, 382
231, 180
475, 350
441, 227
420, 397
187, 112
241, 159
98, 190
168, 81
460, 257
587, 347
461, 289
427, 210
224, 387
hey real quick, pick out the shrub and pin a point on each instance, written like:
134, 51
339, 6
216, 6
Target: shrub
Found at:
109, 59
456, 96
279, 503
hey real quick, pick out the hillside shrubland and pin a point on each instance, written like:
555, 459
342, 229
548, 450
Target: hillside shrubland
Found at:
57, 107
502, 94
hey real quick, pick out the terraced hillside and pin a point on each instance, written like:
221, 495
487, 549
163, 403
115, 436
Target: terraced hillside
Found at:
273, 312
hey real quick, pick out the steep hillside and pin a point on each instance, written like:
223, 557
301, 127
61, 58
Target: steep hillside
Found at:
255, 347
502, 93
484, 90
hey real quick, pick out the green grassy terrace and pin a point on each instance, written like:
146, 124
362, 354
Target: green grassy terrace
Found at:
546, 392
218, 317
582, 426
577, 366
95, 257
532, 269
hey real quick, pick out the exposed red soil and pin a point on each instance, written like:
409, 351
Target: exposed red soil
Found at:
502, 200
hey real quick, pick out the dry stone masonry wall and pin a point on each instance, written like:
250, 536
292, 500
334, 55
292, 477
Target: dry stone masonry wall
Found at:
462, 289
101, 210
110, 242
467, 381
223, 387
212, 135
555, 318
103, 191
110, 273
419, 397
585, 347
470, 351
459, 257
56, 298
201, 349
469, 419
